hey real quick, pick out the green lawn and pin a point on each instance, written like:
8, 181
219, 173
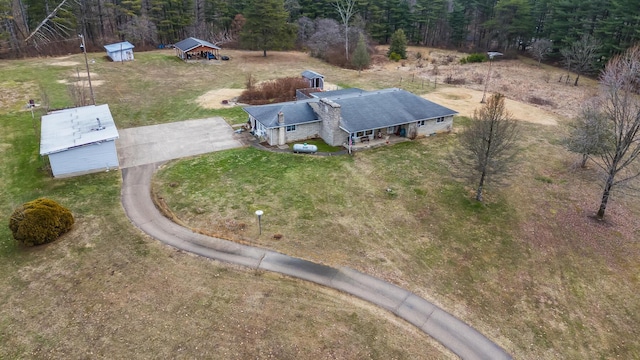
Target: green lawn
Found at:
529, 269
104, 290
517, 268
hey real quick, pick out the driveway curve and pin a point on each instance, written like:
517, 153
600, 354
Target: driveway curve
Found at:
451, 332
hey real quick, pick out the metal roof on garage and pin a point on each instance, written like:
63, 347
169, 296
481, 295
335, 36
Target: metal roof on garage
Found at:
68, 128
191, 43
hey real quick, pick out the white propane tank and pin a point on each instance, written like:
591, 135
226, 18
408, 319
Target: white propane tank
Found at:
304, 148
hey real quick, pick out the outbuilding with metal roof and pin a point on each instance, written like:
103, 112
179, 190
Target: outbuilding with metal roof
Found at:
79, 140
122, 51
196, 49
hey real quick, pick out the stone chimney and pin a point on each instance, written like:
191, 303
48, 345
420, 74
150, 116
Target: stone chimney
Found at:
281, 130
330, 114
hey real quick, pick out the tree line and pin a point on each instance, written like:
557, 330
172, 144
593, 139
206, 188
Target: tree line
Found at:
468, 24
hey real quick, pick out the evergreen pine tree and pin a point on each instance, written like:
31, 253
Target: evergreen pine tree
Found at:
266, 26
361, 58
398, 44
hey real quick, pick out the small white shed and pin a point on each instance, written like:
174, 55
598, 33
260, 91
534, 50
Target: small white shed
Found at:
122, 51
79, 140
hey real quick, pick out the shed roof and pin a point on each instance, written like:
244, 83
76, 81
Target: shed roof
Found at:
310, 74
191, 43
121, 46
297, 112
384, 108
65, 129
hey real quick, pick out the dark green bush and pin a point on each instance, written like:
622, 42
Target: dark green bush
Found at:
474, 58
40, 221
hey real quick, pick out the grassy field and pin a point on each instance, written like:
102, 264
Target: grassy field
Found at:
106, 291
530, 269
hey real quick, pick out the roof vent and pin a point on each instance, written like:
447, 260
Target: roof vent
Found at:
100, 127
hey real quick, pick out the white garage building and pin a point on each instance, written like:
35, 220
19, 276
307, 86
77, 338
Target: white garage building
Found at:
79, 140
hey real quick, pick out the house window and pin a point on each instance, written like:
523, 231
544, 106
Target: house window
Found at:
291, 128
360, 134
421, 123
440, 119
368, 132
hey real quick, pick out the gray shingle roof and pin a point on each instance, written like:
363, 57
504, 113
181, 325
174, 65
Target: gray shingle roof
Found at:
384, 108
336, 93
360, 110
192, 43
294, 113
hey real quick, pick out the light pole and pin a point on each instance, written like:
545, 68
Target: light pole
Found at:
86, 62
259, 214
491, 54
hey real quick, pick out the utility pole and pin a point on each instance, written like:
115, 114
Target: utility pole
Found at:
491, 54
86, 61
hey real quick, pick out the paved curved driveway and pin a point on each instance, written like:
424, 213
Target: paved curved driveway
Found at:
454, 334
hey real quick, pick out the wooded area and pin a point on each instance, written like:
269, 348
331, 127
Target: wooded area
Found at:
468, 24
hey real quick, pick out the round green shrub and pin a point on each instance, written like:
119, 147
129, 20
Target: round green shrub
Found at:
40, 221
395, 57
474, 58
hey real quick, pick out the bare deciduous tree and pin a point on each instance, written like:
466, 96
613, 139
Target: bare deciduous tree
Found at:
346, 9
580, 56
540, 49
488, 147
590, 133
621, 105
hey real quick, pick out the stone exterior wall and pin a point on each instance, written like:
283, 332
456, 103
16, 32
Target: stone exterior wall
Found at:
303, 132
432, 127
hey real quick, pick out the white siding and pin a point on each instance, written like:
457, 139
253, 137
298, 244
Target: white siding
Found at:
84, 159
124, 55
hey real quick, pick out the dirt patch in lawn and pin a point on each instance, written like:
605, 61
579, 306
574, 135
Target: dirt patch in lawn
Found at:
465, 101
215, 99
64, 63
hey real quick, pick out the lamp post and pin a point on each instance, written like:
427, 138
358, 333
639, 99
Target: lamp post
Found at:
86, 62
259, 215
491, 54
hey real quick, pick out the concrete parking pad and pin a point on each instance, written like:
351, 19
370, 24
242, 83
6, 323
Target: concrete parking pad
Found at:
157, 143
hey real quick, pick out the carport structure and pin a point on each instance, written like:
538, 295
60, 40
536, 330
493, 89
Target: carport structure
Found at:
196, 49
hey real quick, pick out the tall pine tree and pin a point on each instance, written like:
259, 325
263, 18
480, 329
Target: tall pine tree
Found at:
266, 26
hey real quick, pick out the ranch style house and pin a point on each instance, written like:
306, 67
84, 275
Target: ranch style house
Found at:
347, 116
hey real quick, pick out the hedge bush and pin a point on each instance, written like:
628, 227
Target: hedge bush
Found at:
39, 222
474, 58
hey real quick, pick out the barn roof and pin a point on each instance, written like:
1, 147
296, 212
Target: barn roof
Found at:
384, 108
65, 129
191, 43
121, 46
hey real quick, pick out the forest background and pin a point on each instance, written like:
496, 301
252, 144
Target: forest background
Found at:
473, 25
